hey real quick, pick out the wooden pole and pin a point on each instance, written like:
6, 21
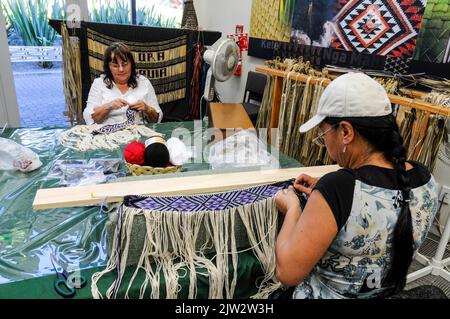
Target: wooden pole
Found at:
395, 99
276, 104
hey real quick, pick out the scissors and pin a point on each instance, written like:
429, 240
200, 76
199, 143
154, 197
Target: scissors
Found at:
66, 284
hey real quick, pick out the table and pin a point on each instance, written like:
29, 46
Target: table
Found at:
76, 235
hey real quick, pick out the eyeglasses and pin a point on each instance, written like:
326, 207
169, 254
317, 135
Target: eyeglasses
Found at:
320, 139
116, 65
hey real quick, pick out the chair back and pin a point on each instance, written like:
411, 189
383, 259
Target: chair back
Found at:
254, 88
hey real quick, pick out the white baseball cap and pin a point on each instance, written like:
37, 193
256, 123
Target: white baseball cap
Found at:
351, 95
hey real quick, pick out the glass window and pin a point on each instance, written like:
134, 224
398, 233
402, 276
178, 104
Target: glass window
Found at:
160, 13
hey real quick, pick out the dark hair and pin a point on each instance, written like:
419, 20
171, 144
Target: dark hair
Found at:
118, 49
383, 135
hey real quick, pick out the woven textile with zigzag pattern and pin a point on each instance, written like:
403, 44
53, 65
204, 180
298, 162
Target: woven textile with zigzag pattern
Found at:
384, 27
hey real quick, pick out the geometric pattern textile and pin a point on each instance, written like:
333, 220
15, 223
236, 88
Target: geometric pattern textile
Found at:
111, 128
383, 27
216, 201
164, 63
397, 65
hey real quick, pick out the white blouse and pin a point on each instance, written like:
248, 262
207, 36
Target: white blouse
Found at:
100, 94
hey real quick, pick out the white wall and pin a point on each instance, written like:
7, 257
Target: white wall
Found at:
223, 16
9, 112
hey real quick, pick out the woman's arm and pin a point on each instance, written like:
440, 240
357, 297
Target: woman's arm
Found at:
95, 112
101, 112
152, 101
304, 237
149, 111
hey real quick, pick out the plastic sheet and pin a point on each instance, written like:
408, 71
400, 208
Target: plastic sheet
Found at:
75, 235
242, 149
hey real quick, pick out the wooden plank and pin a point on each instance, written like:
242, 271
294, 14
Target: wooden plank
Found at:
395, 99
114, 192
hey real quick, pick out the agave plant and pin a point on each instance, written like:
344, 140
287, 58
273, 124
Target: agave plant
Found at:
150, 17
112, 12
29, 20
119, 12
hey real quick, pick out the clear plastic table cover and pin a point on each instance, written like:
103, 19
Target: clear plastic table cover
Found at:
75, 235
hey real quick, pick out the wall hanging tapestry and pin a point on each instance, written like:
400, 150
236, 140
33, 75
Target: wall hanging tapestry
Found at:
161, 56
384, 27
163, 235
395, 36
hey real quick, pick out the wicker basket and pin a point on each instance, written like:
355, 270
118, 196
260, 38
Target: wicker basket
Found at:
137, 170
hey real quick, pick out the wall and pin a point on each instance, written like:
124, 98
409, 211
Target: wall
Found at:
8, 101
220, 15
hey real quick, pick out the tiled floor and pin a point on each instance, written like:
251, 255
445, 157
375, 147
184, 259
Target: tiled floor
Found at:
428, 249
40, 95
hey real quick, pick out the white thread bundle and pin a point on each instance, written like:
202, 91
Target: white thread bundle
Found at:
80, 137
171, 245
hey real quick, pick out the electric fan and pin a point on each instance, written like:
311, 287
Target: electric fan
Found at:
223, 63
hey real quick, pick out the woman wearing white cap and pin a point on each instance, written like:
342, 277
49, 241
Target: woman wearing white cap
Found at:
361, 225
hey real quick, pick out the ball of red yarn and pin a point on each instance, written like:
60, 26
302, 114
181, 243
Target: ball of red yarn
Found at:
134, 153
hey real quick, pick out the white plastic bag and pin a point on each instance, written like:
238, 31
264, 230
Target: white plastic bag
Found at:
243, 149
14, 156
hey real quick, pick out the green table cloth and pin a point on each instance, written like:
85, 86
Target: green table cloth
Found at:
76, 235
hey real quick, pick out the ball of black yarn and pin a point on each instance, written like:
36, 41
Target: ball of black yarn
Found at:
156, 155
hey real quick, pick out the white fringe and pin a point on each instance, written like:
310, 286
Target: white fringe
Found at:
170, 247
80, 137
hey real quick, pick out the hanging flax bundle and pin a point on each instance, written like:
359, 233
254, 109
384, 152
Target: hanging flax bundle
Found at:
72, 77
265, 110
436, 131
164, 235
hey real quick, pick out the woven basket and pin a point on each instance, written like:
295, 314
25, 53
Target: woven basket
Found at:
137, 170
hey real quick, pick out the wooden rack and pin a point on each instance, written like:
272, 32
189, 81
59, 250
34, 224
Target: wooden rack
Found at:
428, 108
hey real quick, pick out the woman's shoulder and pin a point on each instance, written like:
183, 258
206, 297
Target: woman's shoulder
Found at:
99, 80
142, 80
343, 175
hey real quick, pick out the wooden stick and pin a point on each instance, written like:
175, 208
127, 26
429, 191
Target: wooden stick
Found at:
395, 99
423, 131
276, 103
114, 192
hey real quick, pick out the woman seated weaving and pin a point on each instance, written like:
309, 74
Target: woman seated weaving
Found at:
361, 226
120, 88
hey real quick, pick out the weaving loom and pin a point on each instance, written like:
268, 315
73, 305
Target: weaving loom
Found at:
165, 234
291, 96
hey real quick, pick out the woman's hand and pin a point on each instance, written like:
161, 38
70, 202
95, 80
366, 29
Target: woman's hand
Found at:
116, 104
287, 199
139, 106
143, 107
101, 112
305, 183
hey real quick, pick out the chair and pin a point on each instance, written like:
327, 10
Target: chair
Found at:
254, 90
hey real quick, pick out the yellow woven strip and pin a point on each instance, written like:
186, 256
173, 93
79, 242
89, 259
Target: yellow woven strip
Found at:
264, 23
171, 96
154, 56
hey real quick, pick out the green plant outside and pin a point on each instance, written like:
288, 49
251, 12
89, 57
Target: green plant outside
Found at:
29, 20
119, 12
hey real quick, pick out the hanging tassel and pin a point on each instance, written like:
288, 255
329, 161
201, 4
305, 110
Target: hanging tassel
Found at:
195, 82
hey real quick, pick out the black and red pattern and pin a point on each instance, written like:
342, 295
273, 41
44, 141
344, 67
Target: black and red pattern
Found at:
383, 27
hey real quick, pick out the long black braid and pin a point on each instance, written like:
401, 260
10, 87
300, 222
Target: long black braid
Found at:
383, 135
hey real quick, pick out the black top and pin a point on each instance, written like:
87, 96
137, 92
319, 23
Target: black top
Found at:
337, 187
